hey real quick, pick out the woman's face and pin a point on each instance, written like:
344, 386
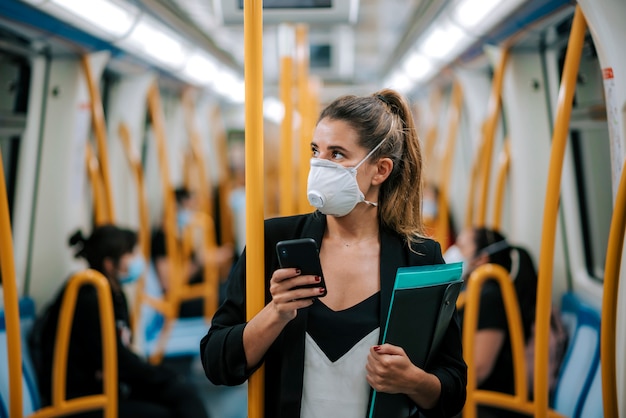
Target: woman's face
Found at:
337, 141
467, 246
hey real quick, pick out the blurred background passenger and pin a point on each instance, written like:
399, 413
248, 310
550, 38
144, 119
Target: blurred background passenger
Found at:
145, 390
493, 358
186, 206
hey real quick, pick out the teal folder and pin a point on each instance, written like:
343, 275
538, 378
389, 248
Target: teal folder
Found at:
422, 305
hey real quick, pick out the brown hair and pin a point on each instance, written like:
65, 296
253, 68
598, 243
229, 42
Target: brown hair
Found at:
386, 114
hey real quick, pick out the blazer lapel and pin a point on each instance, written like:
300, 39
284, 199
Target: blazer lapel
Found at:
392, 255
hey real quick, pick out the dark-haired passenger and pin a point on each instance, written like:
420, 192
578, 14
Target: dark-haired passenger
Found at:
145, 390
493, 357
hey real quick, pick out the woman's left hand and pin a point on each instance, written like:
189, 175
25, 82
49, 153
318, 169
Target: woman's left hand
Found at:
390, 370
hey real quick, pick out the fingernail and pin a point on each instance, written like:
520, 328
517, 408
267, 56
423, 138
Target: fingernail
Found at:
322, 290
376, 347
298, 271
318, 278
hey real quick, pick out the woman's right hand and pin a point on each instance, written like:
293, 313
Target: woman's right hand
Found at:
287, 294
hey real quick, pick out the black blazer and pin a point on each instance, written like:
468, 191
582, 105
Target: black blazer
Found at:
222, 349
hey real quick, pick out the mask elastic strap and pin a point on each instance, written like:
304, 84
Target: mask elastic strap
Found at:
370, 153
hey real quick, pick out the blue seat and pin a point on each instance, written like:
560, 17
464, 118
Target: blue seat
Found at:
184, 339
30, 392
579, 385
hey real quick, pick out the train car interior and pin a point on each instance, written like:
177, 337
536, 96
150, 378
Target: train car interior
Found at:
141, 113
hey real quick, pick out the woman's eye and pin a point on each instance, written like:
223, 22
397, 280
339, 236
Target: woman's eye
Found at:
315, 152
337, 155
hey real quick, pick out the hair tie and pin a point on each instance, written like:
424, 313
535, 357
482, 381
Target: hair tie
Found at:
383, 99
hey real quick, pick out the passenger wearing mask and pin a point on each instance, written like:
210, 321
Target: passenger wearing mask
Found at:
323, 356
145, 390
186, 206
493, 358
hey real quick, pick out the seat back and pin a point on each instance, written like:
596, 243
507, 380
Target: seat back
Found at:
580, 367
30, 391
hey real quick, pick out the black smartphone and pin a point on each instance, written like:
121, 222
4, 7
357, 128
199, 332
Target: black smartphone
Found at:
302, 254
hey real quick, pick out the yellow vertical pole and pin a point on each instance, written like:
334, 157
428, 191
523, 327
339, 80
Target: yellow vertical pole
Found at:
99, 127
255, 259
225, 183
445, 170
286, 166
493, 115
503, 169
304, 150
11, 308
609, 301
559, 141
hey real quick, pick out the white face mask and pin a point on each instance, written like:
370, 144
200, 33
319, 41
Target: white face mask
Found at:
333, 189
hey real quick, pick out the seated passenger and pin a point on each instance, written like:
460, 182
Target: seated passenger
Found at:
145, 390
186, 205
493, 357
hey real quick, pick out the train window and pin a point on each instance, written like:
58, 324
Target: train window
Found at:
591, 153
15, 76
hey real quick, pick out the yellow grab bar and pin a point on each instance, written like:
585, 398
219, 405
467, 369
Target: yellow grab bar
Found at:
493, 115
11, 308
100, 211
132, 156
226, 220
608, 325
286, 168
204, 185
430, 139
471, 193
99, 127
108, 399
255, 234
305, 131
519, 401
454, 120
503, 170
209, 288
546, 262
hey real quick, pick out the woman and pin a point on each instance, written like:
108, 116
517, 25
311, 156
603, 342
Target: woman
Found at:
146, 390
365, 181
493, 357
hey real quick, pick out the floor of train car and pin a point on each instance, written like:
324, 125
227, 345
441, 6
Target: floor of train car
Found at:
220, 401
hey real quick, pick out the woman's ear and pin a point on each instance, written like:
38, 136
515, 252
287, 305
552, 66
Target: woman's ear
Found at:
384, 166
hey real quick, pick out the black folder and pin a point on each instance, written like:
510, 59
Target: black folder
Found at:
422, 304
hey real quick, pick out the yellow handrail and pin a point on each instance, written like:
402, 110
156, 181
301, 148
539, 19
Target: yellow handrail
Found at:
286, 168
519, 401
608, 325
225, 184
430, 140
99, 127
11, 308
197, 160
208, 289
304, 143
132, 156
559, 141
454, 120
493, 115
474, 177
171, 303
108, 399
100, 211
255, 238
498, 199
